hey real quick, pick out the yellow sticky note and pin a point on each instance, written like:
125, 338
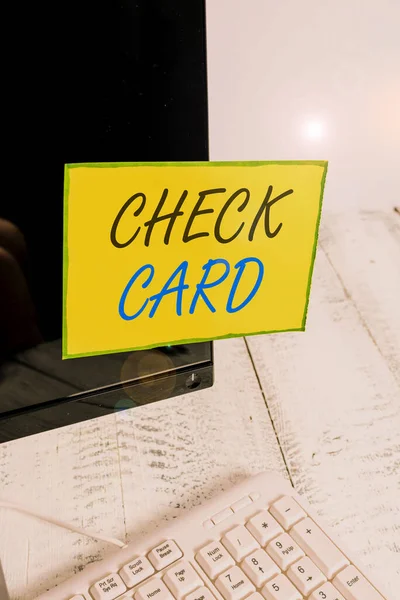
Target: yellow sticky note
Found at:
167, 253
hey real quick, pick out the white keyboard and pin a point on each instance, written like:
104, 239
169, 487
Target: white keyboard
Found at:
258, 541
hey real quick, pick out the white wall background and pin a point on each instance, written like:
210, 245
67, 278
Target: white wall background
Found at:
310, 79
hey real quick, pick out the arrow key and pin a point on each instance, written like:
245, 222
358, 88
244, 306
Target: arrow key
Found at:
305, 576
259, 567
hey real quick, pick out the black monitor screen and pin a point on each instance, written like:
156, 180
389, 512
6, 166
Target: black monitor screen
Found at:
94, 82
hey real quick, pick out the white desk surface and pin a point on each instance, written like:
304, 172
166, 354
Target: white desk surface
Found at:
321, 407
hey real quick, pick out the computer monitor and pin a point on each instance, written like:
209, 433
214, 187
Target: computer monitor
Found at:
110, 82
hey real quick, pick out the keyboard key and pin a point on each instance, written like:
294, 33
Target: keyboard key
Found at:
319, 547
164, 554
280, 588
255, 496
255, 596
234, 585
108, 588
264, 527
242, 503
284, 551
221, 516
259, 567
136, 571
239, 542
326, 592
354, 586
305, 576
214, 559
202, 593
155, 589
287, 512
182, 579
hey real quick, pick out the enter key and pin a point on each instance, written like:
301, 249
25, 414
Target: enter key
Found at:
354, 586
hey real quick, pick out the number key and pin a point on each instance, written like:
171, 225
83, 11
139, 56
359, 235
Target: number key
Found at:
280, 588
234, 585
305, 576
326, 592
255, 596
259, 567
284, 551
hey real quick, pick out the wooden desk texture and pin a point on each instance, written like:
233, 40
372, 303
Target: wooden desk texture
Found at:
320, 407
